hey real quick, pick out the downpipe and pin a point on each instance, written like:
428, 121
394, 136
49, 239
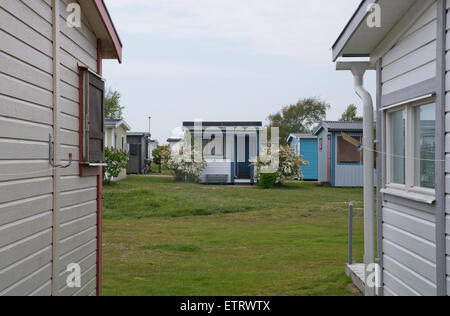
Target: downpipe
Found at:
358, 70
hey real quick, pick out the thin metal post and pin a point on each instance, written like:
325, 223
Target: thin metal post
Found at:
350, 234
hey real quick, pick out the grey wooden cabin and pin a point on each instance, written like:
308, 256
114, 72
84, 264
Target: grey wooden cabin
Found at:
51, 112
140, 158
409, 51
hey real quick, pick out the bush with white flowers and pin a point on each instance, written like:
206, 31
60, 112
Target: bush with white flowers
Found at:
288, 166
186, 166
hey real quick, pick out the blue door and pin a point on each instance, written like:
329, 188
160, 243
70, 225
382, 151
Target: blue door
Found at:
243, 168
309, 152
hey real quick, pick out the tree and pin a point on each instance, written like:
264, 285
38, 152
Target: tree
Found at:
159, 155
350, 114
113, 109
299, 118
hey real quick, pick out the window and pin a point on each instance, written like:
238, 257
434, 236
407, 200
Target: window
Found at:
347, 152
320, 144
425, 145
93, 118
398, 146
411, 147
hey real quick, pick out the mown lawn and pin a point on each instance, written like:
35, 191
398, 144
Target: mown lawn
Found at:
168, 238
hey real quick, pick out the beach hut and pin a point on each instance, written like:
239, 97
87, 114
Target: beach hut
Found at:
140, 156
52, 143
339, 162
406, 43
229, 148
307, 146
116, 138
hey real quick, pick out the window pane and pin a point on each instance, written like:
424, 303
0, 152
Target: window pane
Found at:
398, 137
348, 153
425, 145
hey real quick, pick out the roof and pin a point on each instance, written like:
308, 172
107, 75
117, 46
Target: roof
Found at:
301, 136
104, 29
141, 134
335, 126
174, 140
358, 39
117, 123
224, 124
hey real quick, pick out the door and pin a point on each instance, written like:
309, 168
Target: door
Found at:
308, 151
242, 150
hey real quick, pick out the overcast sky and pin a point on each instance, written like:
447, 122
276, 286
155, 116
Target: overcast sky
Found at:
227, 60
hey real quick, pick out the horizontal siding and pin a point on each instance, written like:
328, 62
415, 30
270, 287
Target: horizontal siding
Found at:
409, 250
26, 179
217, 168
396, 287
78, 213
447, 144
413, 58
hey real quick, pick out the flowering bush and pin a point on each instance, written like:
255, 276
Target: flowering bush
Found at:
116, 161
183, 165
289, 165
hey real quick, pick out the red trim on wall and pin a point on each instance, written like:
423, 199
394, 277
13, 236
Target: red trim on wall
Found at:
99, 58
107, 22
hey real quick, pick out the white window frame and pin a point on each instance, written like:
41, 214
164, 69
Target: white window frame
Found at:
409, 189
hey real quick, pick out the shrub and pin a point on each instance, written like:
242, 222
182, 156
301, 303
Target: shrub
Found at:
183, 165
116, 161
289, 165
267, 180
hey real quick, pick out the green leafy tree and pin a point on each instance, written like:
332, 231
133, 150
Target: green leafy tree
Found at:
350, 114
116, 161
160, 153
113, 109
299, 118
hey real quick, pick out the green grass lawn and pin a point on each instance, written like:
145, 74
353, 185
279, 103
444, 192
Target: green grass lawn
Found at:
167, 238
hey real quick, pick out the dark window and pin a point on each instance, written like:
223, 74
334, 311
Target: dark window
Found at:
347, 152
321, 144
94, 127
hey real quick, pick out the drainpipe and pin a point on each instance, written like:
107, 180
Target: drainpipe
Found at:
358, 70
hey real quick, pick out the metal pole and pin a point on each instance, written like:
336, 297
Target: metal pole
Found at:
150, 125
350, 234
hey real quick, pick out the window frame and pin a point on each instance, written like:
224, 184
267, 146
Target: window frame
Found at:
339, 154
410, 186
91, 78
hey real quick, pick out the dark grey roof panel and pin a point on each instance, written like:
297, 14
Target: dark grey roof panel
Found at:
225, 124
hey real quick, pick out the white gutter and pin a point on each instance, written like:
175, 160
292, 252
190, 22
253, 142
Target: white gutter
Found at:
358, 70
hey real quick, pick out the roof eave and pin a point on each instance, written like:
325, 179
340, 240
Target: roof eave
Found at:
356, 20
110, 28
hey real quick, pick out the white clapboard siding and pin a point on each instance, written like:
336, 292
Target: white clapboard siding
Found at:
78, 195
217, 168
409, 233
447, 146
413, 59
20, 29
26, 179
